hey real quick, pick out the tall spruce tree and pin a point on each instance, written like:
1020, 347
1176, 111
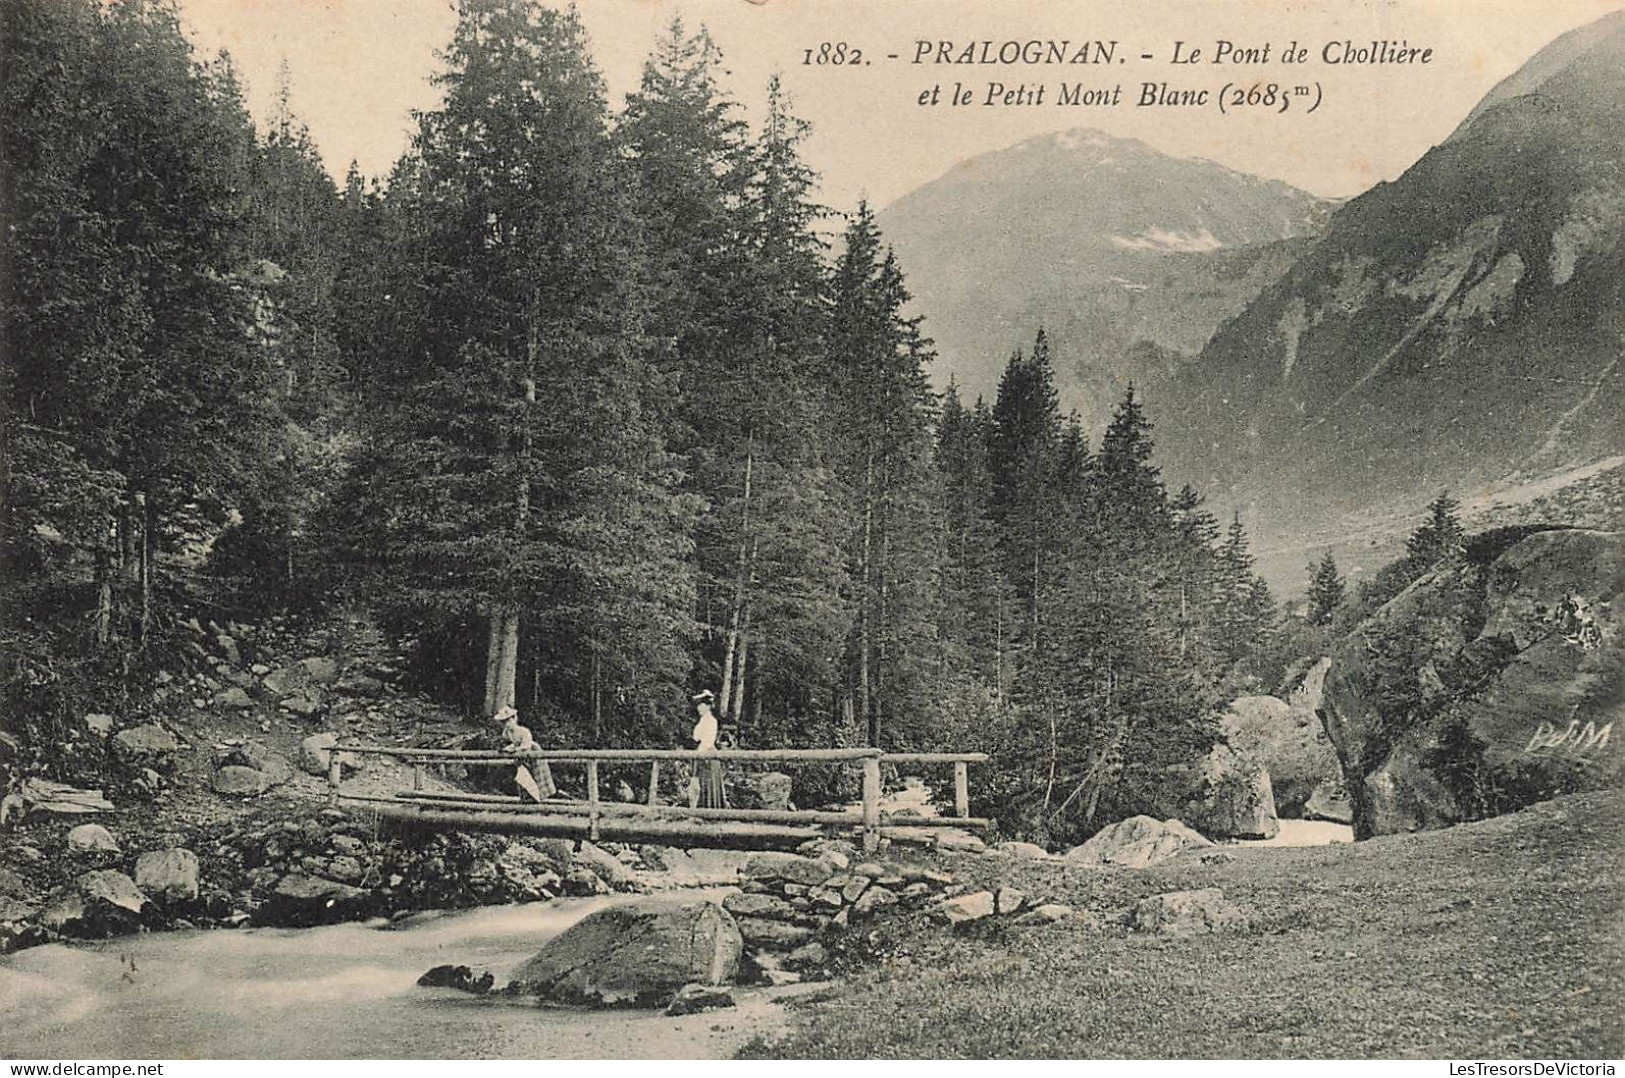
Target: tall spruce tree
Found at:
526, 463
134, 325
1022, 447
974, 612
881, 411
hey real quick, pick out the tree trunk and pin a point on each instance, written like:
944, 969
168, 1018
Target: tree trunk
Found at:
508, 660
493, 658
865, 702
104, 595
597, 678
149, 515
726, 691
739, 678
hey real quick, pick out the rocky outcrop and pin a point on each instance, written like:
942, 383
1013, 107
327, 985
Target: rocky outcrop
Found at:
1486, 685
641, 953
1286, 738
1329, 802
1240, 801
1137, 842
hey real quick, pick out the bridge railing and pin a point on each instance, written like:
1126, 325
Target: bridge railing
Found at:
652, 819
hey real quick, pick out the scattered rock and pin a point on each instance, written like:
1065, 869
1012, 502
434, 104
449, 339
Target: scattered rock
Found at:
315, 753
694, 998
236, 698
1188, 913
168, 875
344, 868
111, 901
303, 900
92, 838
236, 781
228, 649
1048, 913
584, 882
273, 765
148, 745
301, 705
774, 935
99, 724
808, 956
607, 867
459, 977
284, 681
1028, 850
1137, 842
320, 668
637, 953
1009, 900
968, 908
360, 685
875, 898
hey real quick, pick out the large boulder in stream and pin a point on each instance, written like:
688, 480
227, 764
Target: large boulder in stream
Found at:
637, 954
1491, 682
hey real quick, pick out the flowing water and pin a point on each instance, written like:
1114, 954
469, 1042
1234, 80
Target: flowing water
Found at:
341, 991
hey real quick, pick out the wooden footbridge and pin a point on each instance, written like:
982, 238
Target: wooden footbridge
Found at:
650, 820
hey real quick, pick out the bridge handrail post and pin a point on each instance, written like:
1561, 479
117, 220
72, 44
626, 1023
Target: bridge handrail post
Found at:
593, 811
961, 788
871, 803
335, 775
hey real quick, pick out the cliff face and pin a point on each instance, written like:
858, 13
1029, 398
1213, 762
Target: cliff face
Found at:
1484, 686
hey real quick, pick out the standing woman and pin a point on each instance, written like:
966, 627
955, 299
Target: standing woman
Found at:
712, 794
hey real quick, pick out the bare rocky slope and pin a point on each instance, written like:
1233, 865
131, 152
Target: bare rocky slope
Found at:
1459, 327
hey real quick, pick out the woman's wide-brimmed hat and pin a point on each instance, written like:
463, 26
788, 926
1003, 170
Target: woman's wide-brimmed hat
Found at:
704, 696
503, 714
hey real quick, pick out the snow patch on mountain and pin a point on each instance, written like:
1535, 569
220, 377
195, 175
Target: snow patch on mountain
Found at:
1158, 239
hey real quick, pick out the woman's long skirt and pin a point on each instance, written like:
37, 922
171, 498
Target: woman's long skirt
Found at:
712, 793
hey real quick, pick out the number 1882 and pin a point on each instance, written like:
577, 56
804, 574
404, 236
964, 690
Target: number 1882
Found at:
838, 52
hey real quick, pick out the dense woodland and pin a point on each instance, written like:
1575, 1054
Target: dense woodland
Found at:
584, 405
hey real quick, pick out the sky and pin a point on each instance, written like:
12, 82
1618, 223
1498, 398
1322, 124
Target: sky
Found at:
360, 67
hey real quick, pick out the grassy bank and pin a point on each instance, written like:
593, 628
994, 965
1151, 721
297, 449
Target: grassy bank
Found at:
1495, 939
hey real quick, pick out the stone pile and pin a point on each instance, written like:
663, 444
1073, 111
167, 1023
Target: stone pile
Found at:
790, 905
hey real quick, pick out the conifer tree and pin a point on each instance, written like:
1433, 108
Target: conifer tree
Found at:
1326, 590
974, 610
1441, 537
524, 452
881, 412
1022, 446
